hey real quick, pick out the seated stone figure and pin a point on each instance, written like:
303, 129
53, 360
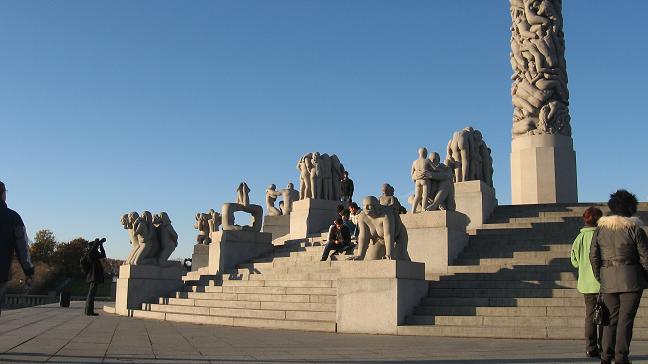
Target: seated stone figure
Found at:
227, 214
127, 221
382, 234
270, 198
441, 186
168, 238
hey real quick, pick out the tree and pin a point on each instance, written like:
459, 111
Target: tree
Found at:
42, 250
68, 255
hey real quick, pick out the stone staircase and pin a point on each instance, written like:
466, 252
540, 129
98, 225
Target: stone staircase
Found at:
288, 289
513, 280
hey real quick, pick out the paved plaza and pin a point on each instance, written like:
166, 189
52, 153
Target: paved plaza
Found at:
59, 335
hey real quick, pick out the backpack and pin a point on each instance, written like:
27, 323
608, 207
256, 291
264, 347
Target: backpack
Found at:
85, 263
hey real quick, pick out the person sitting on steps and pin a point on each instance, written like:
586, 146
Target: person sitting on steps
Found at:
339, 239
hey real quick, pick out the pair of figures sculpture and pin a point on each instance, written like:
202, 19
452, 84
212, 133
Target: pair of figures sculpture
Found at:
469, 156
288, 194
319, 176
207, 223
433, 182
539, 91
152, 238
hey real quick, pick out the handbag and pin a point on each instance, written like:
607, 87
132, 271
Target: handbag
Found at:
601, 313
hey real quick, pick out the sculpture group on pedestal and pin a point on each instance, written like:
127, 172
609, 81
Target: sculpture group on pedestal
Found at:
433, 187
382, 234
288, 194
207, 224
539, 92
152, 238
319, 176
242, 204
469, 156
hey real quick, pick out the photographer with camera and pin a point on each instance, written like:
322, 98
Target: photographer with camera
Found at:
94, 271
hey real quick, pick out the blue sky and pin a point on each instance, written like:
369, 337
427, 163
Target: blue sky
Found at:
110, 107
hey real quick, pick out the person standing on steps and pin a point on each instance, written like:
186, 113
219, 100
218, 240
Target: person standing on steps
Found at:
619, 257
587, 283
13, 237
346, 185
93, 268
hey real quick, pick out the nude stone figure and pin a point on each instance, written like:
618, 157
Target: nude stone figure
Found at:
459, 148
271, 195
382, 233
337, 169
304, 167
420, 168
473, 154
243, 194
127, 221
147, 236
168, 237
315, 173
214, 221
327, 177
202, 224
441, 186
289, 195
388, 199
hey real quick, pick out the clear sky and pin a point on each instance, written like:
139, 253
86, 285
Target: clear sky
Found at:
108, 107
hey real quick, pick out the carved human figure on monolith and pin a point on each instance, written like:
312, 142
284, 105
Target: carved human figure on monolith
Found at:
148, 240
382, 234
337, 170
289, 195
271, 195
327, 177
459, 148
420, 169
243, 194
469, 156
539, 92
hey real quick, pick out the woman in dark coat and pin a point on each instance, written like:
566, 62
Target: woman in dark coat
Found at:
619, 257
95, 273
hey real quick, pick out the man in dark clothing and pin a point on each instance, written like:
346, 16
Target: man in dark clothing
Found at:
94, 273
13, 237
339, 239
346, 185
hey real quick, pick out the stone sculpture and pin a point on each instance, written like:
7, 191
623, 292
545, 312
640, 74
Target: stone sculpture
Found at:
153, 238
202, 224
469, 156
319, 176
539, 91
270, 198
229, 209
214, 221
441, 186
168, 237
388, 199
420, 168
289, 195
382, 234
243, 194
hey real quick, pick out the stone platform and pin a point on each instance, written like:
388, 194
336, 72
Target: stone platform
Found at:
64, 335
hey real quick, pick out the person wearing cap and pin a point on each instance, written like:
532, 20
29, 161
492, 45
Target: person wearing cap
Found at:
13, 237
94, 273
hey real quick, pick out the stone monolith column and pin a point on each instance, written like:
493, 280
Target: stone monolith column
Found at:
543, 161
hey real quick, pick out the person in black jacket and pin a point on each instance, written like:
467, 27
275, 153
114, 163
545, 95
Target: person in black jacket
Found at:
13, 237
339, 239
94, 273
346, 186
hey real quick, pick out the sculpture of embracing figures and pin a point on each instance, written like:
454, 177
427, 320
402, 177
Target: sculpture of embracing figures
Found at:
319, 176
152, 238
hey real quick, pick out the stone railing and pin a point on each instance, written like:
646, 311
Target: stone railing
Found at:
27, 300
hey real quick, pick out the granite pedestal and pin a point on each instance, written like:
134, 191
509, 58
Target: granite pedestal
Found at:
200, 256
435, 238
232, 247
476, 200
139, 284
374, 297
311, 216
278, 226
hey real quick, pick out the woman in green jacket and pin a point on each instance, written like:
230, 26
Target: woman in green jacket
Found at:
587, 283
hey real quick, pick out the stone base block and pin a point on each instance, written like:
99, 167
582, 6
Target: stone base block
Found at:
435, 238
200, 257
475, 199
278, 226
374, 297
231, 248
139, 284
543, 170
310, 216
